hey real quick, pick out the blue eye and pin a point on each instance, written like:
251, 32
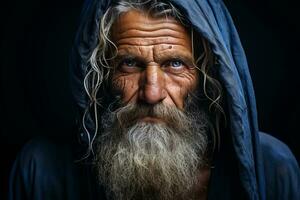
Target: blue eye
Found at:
129, 63
176, 63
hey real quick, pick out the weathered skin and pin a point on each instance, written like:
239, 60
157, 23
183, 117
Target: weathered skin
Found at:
154, 62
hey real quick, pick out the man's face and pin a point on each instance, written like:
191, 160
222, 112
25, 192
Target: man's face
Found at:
154, 62
152, 146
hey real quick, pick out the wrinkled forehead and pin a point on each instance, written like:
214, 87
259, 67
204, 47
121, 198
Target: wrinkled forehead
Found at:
146, 29
152, 12
145, 17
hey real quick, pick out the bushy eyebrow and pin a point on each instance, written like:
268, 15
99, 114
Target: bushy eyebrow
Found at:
188, 60
120, 57
166, 56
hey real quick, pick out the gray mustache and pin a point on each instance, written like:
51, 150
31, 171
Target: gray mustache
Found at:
132, 113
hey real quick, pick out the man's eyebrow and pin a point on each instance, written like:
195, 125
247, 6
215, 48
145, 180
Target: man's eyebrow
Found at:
124, 56
189, 60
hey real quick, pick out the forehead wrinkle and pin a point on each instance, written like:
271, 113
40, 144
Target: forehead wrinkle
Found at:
156, 36
135, 50
139, 51
162, 52
141, 25
155, 52
141, 18
146, 37
146, 34
135, 29
151, 42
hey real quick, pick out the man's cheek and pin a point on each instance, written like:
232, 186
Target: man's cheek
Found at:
180, 88
125, 87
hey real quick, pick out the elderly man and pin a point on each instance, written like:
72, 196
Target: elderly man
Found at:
167, 110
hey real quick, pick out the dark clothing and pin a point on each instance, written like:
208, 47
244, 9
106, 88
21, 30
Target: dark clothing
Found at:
46, 169
256, 166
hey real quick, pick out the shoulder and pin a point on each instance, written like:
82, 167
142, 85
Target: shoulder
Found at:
281, 169
40, 169
44, 149
44, 154
276, 150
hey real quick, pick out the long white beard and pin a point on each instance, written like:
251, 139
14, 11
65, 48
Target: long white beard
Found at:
143, 160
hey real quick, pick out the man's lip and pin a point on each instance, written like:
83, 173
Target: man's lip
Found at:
151, 119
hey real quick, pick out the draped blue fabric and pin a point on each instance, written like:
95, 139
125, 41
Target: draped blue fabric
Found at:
266, 167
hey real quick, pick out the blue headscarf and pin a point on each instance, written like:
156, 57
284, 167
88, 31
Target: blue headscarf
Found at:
211, 20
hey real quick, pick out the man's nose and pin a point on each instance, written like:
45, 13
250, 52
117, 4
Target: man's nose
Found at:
153, 85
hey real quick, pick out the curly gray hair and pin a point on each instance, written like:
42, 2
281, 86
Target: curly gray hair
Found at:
99, 70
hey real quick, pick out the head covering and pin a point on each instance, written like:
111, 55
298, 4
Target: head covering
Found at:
212, 21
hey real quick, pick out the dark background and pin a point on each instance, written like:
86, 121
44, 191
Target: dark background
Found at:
36, 37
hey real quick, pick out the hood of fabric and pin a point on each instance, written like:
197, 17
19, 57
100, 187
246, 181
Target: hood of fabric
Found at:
211, 19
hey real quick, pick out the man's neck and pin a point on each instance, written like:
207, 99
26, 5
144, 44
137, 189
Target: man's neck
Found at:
201, 188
